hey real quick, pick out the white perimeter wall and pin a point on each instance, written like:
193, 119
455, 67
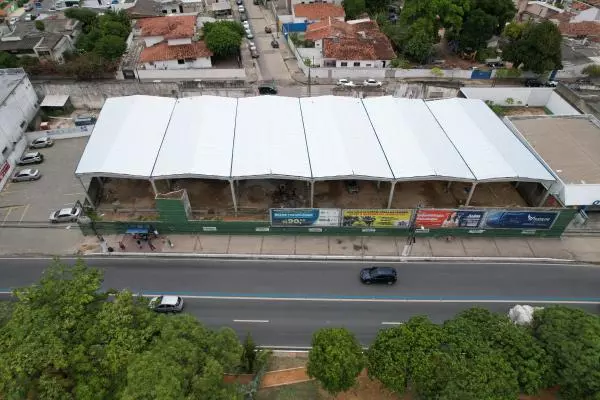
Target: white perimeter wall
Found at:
560, 106
534, 97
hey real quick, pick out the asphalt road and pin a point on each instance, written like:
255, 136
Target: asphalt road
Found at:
282, 303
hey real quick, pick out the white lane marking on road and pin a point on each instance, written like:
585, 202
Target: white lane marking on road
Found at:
391, 323
7, 214
252, 321
24, 212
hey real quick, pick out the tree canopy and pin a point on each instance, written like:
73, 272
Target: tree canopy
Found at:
223, 38
571, 337
353, 8
335, 359
537, 47
63, 340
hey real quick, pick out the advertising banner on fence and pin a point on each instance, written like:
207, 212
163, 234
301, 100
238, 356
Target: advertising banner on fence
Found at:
377, 218
448, 218
520, 219
305, 216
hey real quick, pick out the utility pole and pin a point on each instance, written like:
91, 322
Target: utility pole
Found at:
309, 67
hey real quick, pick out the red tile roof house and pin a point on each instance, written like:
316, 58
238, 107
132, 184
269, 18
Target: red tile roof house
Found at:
354, 44
170, 43
317, 12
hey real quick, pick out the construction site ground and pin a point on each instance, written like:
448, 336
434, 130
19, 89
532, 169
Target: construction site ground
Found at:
134, 198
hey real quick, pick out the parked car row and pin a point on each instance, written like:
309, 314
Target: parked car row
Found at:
367, 82
538, 83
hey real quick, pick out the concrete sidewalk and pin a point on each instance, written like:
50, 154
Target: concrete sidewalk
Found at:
586, 249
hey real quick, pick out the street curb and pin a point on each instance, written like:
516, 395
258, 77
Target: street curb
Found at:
327, 258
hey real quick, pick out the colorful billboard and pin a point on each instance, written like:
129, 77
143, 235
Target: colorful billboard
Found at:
305, 216
377, 218
520, 219
448, 218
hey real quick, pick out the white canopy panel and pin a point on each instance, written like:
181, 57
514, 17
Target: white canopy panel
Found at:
127, 137
489, 147
269, 139
341, 141
415, 144
199, 139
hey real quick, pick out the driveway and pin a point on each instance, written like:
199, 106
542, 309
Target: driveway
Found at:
25, 206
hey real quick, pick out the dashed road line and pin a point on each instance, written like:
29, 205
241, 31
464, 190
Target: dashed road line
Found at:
252, 321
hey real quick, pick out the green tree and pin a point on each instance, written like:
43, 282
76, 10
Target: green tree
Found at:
63, 340
86, 16
87, 41
8, 60
572, 339
419, 45
374, 6
513, 31
222, 40
452, 376
538, 48
592, 70
399, 351
110, 47
114, 28
477, 29
353, 8
39, 25
231, 25
503, 11
478, 331
335, 359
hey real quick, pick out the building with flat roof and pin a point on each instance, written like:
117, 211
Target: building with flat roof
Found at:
570, 147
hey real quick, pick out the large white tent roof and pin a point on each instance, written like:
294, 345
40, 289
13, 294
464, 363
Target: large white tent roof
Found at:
199, 140
269, 139
127, 137
341, 141
491, 150
415, 144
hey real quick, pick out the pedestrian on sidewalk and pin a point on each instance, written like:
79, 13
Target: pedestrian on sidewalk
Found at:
139, 243
122, 245
151, 245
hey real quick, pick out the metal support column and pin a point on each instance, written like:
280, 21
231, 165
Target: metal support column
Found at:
391, 195
312, 193
448, 186
87, 196
154, 187
471, 193
100, 182
545, 197
378, 185
231, 183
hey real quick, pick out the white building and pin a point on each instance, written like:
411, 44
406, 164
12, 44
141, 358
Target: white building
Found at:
18, 106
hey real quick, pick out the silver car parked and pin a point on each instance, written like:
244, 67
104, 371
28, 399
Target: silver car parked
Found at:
41, 143
26, 175
31, 158
65, 215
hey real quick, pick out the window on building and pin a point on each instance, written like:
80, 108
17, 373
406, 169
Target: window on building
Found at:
180, 61
164, 11
344, 64
357, 63
173, 11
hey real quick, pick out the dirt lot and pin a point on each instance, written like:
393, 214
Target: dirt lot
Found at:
335, 194
127, 194
512, 111
436, 194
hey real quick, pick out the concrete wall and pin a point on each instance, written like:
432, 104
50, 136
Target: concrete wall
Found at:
12, 159
534, 97
62, 133
93, 94
191, 74
170, 65
559, 106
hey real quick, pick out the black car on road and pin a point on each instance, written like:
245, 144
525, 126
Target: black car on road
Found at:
385, 275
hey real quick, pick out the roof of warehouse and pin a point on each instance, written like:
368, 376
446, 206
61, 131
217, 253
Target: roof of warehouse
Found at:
199, 140
341, 141
487, 145
269, 139
127, 137
415, 144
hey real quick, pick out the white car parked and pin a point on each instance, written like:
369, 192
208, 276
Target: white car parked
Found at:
372, 83
251, 46
249, 34
246, 24
345, 82
65, 215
